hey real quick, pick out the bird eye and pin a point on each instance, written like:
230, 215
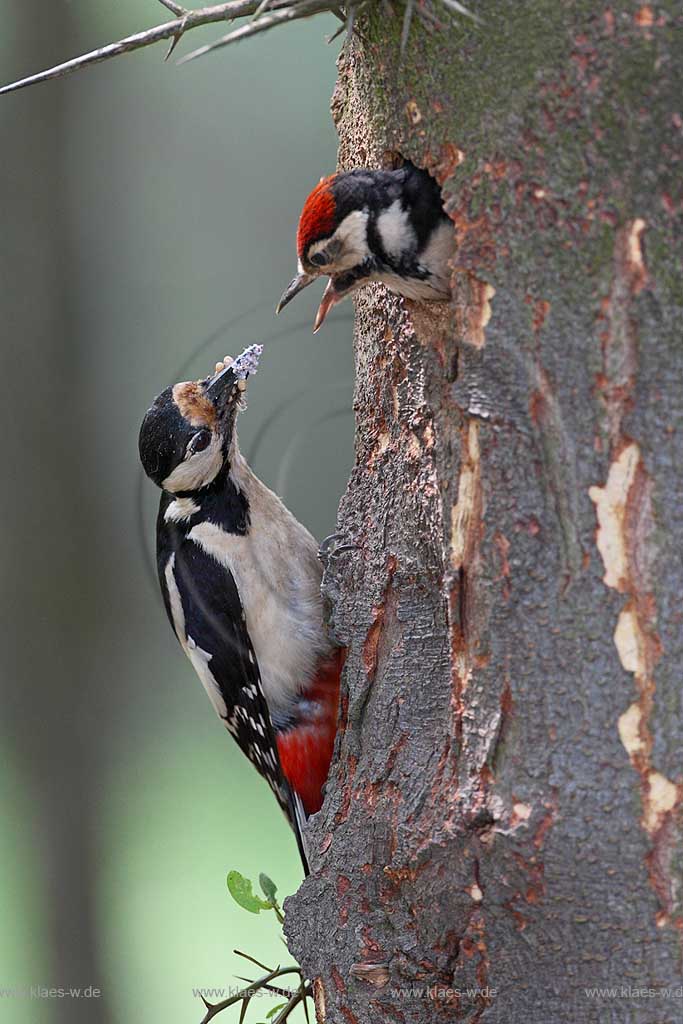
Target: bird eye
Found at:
319, 259
200, 441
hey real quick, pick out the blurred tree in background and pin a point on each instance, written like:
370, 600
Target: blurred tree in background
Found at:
143, 208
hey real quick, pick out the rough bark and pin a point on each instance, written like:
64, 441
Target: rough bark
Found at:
504, 813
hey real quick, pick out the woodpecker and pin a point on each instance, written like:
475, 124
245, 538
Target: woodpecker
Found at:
240, 579
360, 226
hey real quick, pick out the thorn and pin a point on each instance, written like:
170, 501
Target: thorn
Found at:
238, 952
460, 9
174, 8
261, 9
176, 39
245, 1007
174, 43
335, 35
206, 1002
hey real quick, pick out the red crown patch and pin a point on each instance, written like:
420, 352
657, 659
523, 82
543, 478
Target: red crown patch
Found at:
318, 215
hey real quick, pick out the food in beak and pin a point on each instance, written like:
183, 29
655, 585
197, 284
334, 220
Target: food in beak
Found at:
247, 362
233, 375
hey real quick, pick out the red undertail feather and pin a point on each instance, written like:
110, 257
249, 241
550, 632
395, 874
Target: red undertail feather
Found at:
317, 217
306, 751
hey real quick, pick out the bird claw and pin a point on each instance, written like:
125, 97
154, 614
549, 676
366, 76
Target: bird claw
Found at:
329, 548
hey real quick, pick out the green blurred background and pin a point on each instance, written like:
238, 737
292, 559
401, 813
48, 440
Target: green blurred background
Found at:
143, 208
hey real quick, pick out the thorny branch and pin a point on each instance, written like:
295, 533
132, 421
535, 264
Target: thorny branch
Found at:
246, 995
265, 14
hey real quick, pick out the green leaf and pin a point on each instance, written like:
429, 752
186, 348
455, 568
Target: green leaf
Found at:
240, 888
268, 887
275, 1009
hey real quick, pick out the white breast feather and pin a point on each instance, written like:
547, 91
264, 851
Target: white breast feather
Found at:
277, 574
436, 255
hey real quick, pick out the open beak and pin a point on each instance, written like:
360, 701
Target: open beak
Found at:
300, 282
228, 384
330, 298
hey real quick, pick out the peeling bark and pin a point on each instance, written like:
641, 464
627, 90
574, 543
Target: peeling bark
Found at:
503, 826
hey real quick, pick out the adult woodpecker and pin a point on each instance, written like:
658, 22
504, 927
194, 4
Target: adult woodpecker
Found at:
360, 226
240, 578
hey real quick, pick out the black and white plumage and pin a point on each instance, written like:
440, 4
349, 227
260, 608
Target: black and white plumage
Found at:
240, 579
360, 226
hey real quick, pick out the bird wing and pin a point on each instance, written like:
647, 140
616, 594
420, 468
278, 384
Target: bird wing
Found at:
204, 607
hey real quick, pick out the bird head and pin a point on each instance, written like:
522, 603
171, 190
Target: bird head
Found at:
332, 242
187, 435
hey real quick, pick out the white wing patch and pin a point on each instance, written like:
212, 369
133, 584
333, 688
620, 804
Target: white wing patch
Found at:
434, 258
199, 658
396, 231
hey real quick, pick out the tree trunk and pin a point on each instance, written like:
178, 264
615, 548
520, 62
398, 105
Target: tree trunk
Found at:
503, 829
47, 612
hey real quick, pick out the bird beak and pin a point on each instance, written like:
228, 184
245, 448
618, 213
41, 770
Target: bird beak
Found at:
330, 298
228, 384
300, 282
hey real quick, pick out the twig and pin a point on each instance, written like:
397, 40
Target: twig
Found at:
305, 991
292, 12
286, 993
191, 19
407, 19
297, 998
268, 988
212, 1009
351, 21
176, 9
267, 14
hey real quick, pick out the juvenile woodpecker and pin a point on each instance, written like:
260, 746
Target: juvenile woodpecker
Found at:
240, 578
360, 226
